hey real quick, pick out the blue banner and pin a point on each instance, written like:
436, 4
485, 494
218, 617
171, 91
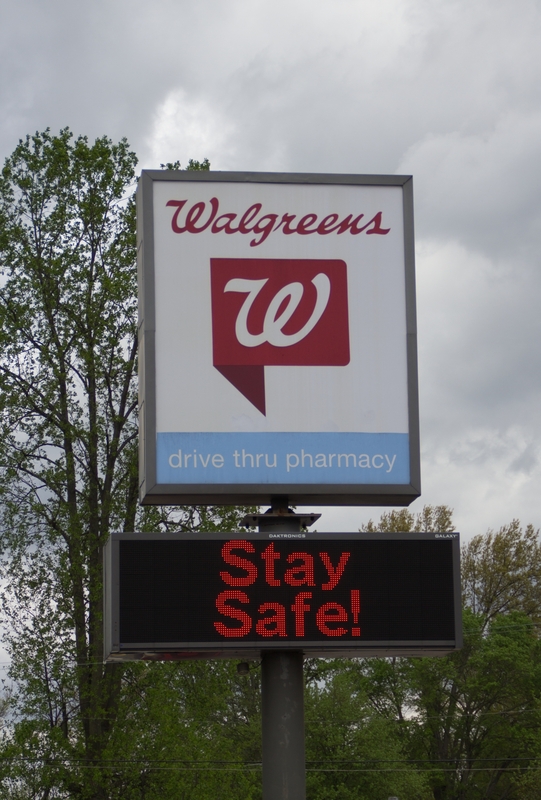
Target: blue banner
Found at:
294, 458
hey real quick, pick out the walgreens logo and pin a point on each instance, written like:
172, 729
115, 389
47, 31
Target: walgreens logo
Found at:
277, 312
203, 216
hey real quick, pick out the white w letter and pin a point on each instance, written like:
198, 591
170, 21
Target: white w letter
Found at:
273, 324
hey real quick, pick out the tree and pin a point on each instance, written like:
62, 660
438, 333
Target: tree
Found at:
68, 447
67, 377
478, 721
431, 519
501, 572
472, 721
353, 751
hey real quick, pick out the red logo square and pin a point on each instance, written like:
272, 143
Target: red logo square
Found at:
277, 312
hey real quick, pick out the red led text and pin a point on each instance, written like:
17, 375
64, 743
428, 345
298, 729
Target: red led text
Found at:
240, 616
300, 573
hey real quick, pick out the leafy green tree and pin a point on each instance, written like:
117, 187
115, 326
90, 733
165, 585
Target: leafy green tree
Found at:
193, 165
353, 751
68, 457
478, 710
431, 518
501, 572
198, 733
67, 380
471, 721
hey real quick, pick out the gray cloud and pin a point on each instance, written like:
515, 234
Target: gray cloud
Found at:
446, 90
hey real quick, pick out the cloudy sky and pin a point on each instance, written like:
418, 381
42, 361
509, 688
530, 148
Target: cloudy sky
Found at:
446, 90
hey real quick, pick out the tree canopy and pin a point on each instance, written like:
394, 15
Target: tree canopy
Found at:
68, 443
501, 572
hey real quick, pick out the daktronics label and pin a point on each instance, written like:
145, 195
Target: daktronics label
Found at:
281, 312
338, 590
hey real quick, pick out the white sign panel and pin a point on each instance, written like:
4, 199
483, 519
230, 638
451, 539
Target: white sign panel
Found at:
277, 338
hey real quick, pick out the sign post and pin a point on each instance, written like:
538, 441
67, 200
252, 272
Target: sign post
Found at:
282, 693
282, 710
278, 363
279, 595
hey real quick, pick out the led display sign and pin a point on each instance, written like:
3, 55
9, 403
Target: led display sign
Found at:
214, 595
277, 338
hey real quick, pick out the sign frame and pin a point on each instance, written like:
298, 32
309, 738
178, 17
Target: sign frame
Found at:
333, 494
115, 651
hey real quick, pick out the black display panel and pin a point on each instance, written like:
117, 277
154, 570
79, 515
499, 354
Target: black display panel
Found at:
251, 592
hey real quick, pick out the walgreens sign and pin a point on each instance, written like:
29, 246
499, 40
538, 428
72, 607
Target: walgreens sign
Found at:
292, 372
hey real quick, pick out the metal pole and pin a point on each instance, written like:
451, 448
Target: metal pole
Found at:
282, 690
284, 759
282, 685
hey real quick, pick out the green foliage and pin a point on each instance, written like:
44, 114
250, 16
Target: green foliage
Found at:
68, 343
480, 711
68, 464
193, 165
471, 721
430, 519
501, 572
353, 751
195, 733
